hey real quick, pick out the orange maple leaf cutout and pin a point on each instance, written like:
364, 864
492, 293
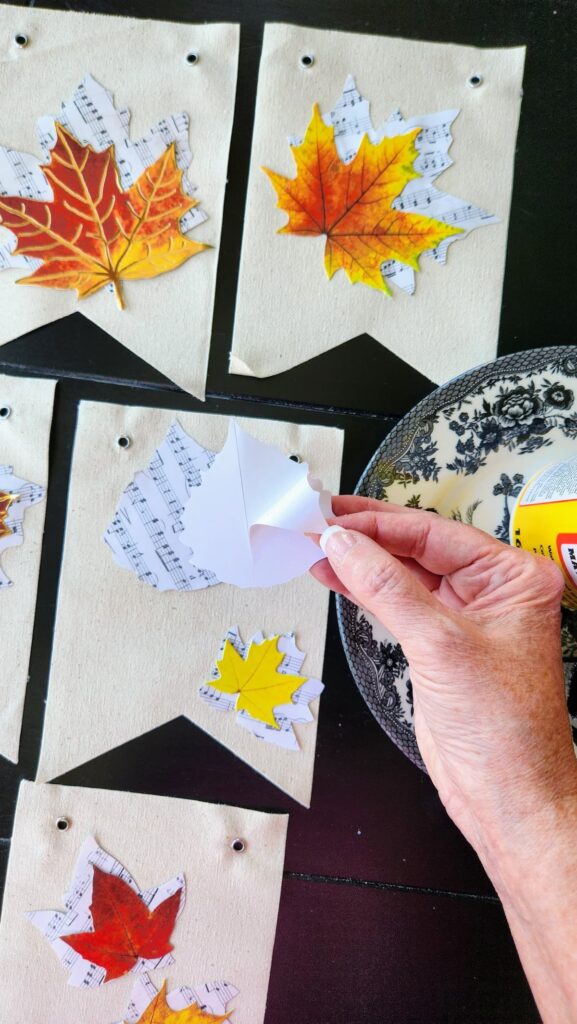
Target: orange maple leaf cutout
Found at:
159, 1012
6, 500
125, 930
351, 203
93, 233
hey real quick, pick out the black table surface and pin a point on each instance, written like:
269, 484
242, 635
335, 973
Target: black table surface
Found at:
386, 914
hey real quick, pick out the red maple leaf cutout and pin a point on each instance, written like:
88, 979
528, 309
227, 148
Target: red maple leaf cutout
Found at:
125, 930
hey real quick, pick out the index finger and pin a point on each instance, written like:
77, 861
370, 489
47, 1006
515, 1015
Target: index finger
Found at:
440, 545
345, 504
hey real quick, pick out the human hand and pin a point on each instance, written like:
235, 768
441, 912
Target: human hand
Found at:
479, 623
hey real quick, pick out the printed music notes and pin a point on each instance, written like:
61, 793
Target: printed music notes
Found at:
211, 998
145, 534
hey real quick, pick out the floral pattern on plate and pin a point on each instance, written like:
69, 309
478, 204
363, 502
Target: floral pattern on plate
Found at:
465, 452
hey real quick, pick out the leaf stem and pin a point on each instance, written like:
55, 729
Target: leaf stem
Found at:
118, 292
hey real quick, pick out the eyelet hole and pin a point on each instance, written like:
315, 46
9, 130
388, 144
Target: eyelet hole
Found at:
21, 40
238, 845
123, 441
62, 824
192, 57
475, 81
5, 412
295, 458
307, 60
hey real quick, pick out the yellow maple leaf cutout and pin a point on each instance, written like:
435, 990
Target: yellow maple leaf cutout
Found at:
351, 204
159, 1012
6, 500
256, 679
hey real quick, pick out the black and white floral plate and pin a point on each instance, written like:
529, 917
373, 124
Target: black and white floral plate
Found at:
465, 451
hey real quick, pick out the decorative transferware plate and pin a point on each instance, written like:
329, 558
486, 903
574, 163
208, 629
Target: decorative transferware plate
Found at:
465, 452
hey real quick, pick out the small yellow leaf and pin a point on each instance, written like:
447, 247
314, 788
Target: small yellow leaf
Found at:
6, 500
256, 679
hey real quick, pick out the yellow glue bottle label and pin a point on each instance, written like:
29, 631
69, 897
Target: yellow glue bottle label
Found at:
544, 520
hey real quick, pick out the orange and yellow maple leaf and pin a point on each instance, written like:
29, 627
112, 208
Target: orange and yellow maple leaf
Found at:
6, 500
159, 1012
256, 679
93, 233
351, 204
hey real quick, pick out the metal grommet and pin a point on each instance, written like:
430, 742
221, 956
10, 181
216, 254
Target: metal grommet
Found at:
295, 458
21, 40
238, 845
475, 81
192, 57
307, 60
123, 441
62, 824
5, 412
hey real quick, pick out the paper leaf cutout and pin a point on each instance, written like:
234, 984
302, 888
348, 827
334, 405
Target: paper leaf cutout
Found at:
276, 728
145, 534
89, 232
248, 520
343, 153
15, 497
203, 1004
110, 928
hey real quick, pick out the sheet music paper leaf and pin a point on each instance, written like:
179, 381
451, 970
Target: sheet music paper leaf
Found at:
371, 192
95, 215
146, 532
109, 927
244, 680
15, 497
249, 519
203, 1004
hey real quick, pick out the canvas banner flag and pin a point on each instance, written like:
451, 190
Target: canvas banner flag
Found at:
114, 139
25, 422
387, 166
201, 879
139, 628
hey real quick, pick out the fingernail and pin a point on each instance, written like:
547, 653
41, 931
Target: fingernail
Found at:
336, 541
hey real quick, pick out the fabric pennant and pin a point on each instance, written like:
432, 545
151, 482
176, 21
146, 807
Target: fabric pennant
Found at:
108, 180
130, 954
25, 422
157, 620
378, 200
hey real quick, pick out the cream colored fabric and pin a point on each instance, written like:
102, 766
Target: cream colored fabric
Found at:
24, 439
287, 311
127, 658
225, 932
167, 321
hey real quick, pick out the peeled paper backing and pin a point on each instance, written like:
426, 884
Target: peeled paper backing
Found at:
226, 929
128, 658
287, 311
24, 439
143, 64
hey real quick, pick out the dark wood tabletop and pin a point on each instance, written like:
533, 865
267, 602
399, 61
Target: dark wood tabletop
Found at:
386, 914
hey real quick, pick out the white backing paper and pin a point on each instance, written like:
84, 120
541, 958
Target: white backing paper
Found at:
249, 519
117, 65
286, 310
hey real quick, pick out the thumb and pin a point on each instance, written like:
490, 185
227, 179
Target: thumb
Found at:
379, 582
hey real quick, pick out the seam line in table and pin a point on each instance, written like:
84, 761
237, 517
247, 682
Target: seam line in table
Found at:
361, 883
